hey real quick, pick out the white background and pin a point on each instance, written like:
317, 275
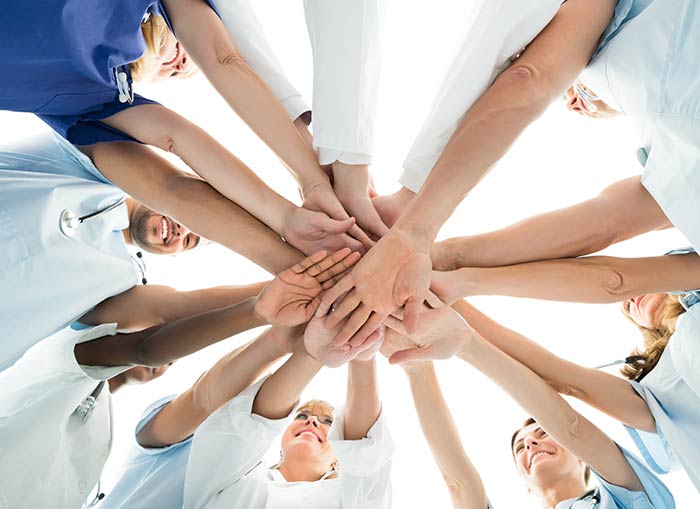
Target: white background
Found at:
562, 159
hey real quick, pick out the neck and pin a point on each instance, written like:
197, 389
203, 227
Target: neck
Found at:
130, 207
116, 382
297, 471
563, 490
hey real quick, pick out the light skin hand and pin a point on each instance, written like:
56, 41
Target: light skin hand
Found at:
311, 231
319, 196
318, 342
351, 183
294, 295
439, 334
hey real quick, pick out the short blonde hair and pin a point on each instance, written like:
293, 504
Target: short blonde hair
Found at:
154, 30
655, 340
318, 404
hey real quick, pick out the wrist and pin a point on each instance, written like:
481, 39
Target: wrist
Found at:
315, 183
418, 370
417, 238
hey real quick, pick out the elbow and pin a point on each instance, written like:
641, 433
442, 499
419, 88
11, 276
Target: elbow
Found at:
230, 59
529, 83
614, 284
147, 355
567, 389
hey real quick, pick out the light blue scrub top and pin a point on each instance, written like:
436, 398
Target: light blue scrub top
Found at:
672, 392
648, 67
51, 279
151, 478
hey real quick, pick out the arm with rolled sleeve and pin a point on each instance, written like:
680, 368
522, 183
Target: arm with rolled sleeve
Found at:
365, 465
230, 443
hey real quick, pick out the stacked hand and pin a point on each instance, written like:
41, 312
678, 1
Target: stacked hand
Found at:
311, 231
294, 295
352, 185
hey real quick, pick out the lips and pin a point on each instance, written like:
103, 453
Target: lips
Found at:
177, 55
536, 455
309, 432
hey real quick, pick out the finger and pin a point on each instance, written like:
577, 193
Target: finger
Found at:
414, 354
339, 267
373, 322
311, 308
434, 301
357, 233
336, 226
411, 314
328, 261
395, 324
346, 240
343, 309
332, 294
307, 262
376, 337
353, 324
326, 285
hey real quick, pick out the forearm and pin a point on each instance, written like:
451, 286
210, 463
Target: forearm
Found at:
362, 404
248, 95
282, 390
601, 390
578, 230
227, 378
466, 488
594, 279
570, 429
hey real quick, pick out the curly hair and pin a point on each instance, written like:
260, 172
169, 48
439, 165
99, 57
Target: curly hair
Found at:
655, 341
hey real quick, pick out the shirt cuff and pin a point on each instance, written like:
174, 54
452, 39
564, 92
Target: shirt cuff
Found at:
365, 456
329, 156
295, 107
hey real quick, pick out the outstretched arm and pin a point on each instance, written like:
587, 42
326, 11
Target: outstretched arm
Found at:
304, 229
463, 480
158, 184
594, 279
569, 428
621, 211
362, 403
229, 376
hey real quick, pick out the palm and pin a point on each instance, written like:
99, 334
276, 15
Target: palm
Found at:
310, 231
318, 342
294, 295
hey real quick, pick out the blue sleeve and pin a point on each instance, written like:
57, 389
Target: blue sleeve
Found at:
655, 495
88, 128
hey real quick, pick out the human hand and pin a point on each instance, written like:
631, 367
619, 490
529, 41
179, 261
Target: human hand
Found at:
311, 231
443, 284
294, 295
439, 334
320, 197
285, 339
351, 184
391, 206
318, 341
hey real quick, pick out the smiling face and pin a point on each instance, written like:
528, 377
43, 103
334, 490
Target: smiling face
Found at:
164, 56
582, 100
159, 234
306, 438
645, 310
542, 462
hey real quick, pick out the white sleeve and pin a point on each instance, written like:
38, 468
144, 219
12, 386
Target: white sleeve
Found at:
249, 37
365, 465
499, 30
345, 40
229, 444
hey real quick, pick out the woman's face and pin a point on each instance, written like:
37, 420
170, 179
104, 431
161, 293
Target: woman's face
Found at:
541, 461
171, 61
645, 310
593, 108
307, 436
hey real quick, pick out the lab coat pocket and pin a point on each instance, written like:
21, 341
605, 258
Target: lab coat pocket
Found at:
12, 247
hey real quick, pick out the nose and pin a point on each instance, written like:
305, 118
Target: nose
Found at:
531, 442
575, 104
313, 421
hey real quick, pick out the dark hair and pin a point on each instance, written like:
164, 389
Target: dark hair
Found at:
530, 420
655, 340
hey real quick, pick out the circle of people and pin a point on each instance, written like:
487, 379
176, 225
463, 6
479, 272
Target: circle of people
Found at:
355, 273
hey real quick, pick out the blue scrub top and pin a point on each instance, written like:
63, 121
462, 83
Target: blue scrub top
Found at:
151, 477
59, 60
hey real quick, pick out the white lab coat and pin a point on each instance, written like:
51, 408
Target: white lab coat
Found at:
225, 469
346, 46
649, 71
47, 279
499, 31
50, 456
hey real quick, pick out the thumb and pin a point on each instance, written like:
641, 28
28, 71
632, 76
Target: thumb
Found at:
414, 354
411, 314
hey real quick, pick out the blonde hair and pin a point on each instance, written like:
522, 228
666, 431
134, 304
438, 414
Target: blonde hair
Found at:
655, 340
155, 30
